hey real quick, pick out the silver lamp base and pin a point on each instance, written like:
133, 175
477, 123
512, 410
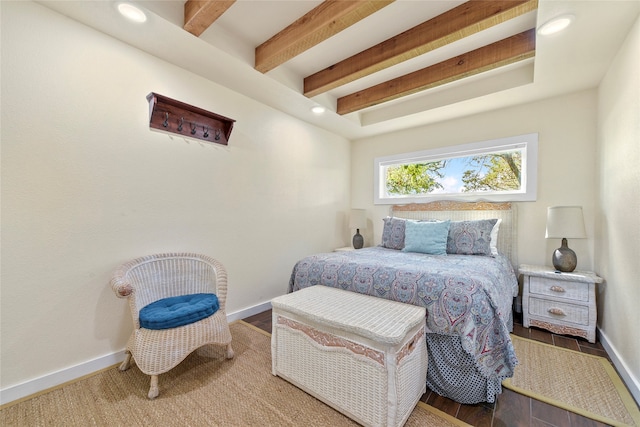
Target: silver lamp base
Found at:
564, 259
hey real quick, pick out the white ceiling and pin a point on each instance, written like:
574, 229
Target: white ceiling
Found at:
573, 60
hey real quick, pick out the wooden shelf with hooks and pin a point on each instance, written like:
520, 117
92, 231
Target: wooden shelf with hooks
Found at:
169, 115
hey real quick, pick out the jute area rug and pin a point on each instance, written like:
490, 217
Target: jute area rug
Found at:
578, 382
204, 390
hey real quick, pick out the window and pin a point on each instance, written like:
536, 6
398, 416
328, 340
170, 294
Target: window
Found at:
496, 170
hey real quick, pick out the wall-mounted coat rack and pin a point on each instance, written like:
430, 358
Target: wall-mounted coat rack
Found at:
173, 116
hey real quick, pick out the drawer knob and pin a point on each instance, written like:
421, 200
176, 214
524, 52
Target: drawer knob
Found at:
557, 311
558, 289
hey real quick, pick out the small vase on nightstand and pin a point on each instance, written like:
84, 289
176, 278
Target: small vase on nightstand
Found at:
358, 240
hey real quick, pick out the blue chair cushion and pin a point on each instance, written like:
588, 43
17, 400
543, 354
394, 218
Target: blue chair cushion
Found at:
178, 311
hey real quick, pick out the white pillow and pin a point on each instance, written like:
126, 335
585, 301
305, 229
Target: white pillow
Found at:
494, 237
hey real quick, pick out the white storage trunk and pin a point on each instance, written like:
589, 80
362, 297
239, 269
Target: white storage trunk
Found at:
364, 356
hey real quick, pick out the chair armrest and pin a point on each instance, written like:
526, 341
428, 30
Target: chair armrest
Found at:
221, 282
121, 287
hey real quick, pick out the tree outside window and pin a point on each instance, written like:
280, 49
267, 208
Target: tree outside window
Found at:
488, 170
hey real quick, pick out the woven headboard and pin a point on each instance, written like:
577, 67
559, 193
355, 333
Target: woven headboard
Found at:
465, 211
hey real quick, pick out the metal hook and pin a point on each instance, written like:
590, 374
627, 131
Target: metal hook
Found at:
206, 132
180, 124
193, 128
217, 137
166, 120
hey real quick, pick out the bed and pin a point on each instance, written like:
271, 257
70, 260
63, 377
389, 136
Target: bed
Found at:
468, 290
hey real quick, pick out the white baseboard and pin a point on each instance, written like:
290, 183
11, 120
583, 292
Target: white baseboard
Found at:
250, 311
630, 381
55, 379
52, 380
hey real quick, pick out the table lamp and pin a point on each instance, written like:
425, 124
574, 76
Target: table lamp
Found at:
358, 220
565, 222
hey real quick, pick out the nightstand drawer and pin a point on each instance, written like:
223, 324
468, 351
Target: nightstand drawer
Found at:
555, 310
559, 288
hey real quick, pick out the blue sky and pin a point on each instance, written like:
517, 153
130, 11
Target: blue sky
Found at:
452, 181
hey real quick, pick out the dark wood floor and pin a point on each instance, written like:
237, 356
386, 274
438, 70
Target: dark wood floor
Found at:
511, 409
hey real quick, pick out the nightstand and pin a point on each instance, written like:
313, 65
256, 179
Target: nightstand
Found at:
563, 303
344, 249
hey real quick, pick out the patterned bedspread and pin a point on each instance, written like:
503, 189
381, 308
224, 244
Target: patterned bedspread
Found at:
465, 295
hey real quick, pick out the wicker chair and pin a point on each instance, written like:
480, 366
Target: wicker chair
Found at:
155, 277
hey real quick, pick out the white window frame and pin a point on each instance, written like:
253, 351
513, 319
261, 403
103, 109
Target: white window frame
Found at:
528, 192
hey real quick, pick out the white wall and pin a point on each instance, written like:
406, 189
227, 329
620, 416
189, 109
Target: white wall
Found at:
86, 186
566, 128
618, 205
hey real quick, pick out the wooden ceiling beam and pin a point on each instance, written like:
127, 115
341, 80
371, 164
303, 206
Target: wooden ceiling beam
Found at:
199, 15
507, 51
455, 24
324, 21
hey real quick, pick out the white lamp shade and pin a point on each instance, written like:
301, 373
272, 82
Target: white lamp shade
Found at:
358, 218
565, 222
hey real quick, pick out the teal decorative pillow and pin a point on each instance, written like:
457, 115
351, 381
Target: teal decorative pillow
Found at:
470, 237
426, 237
178, 311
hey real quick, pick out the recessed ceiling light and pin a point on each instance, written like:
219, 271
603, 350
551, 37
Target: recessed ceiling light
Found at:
555, 25
318, 109
131, 12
